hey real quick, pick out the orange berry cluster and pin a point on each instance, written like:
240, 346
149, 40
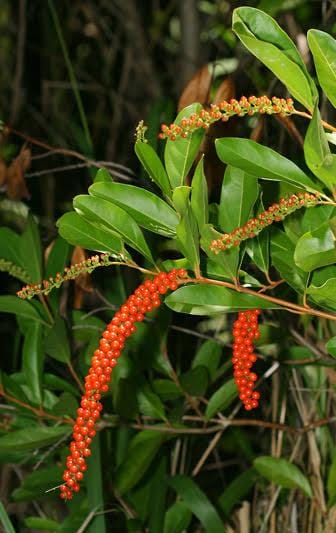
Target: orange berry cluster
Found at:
72, 272
145, 298
274, 213
224, 111
245, 330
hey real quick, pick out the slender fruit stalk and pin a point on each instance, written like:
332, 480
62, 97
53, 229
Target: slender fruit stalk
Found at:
145, 298
245, 330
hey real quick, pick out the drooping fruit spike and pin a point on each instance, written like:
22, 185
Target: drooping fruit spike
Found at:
145, 298
245, 330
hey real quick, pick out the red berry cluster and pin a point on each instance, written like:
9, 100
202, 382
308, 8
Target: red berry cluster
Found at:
224, 111
245, 330
145, 298
274, 213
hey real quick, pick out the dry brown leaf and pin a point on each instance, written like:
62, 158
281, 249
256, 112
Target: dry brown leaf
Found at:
16, 183
83, 283
225, 91
197, 89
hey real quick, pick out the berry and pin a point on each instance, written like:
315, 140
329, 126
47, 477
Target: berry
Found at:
245, 330
104, 359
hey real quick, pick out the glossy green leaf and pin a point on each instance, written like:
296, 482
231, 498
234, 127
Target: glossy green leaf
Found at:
112, 217
211, 299
94, 483
237, 490
166, 389
317, 153
78, 231
195, 381
226, 262
12, 304
265, 39
199, 196
31, 438
36, 483
222, 398
32, 361
331, 346
282, 255
262, 162
179, 154
153, 166
282, 473
181, 198
140, 453
56, 342
103, 175
316, 248
198, 503
125, 400
209, 356
30, 250
188, 239
147, 209
325, 294
238, 196
313, 218
177, 518
323, 48
258, 248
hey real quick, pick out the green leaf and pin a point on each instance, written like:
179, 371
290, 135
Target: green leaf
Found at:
38, 523
313, 218
331, 483
282, 255
198, 503
147, 209
74, 229
181, 198
57, 258
324, 295
56, 342
125, 400
262, 162
187, 235
66, 405
141, 452
149, 402
323, 48
258, 247
317, 153
153, 166
227, 260
103, 175
265, 39
94, 484
30, 250
211, 299
208, 355
32, 361
331, 347
36, 483
222, 398
10, 246
282, 473
112, 217
199, 196
12, 304
179, 154
5, 520
195, 381
237, 490
177, 518
31, 438
316, 248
